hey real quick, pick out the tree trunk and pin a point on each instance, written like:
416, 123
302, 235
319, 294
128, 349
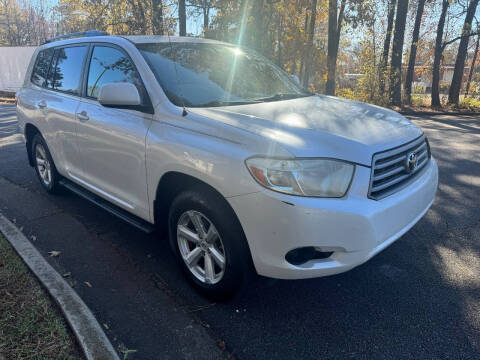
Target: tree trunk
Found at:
182, 18
386, 45
308, 59
258, 22
279, 42
334, 30
397, 52
332, 34
206, 15
438, 55
413, 51
472, 67
454, 93
304, 54
157, 17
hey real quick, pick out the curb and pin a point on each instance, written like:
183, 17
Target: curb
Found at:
90, 336
435, 113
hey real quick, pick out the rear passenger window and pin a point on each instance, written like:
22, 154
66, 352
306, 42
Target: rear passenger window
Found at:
67, 69
40, 69
109, 65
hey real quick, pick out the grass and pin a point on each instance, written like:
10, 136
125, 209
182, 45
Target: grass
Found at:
31, 327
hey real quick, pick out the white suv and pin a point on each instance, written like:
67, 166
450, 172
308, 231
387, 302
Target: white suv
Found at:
219, 146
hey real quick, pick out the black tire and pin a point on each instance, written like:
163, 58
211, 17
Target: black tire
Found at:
238, 267
52, 186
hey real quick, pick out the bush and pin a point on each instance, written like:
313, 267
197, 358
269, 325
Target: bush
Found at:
444, 87
418, 100
419, 89
470, 103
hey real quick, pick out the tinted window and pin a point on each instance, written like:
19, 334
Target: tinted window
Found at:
42, 64
109, 65
67, 69
217, 75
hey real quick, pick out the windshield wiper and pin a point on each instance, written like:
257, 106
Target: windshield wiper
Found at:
225, 103
281, 96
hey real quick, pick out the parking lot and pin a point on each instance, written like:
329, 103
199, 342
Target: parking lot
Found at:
420, 298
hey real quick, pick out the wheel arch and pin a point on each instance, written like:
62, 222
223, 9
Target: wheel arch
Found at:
173, 183
30, 131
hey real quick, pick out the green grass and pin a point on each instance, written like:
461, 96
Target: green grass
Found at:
31, 326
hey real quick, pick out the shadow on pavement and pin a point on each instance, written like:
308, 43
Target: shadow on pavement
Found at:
420, 298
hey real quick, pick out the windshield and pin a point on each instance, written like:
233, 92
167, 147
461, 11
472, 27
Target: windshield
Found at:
217, 75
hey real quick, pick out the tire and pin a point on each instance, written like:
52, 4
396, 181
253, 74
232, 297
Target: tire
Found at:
46, 171
202, 206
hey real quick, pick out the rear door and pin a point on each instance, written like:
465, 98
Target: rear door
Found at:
111, 141
60, 99
31, 98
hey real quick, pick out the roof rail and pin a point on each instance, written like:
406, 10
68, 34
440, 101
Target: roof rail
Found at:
77, 34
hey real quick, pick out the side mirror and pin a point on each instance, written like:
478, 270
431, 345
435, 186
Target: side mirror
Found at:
119, 95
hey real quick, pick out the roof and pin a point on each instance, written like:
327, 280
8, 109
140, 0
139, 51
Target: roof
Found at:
136, 39
143, 39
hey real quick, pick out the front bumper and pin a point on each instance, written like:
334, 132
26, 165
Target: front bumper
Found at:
355, 228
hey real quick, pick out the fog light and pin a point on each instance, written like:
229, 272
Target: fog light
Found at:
302, 255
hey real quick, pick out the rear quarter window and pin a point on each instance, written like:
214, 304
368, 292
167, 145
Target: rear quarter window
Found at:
42, 64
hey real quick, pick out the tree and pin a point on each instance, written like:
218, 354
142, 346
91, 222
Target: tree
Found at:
386, 44
308, 60
23, 23
334, 30
472, 67
438, 55
454, 93
397, 53
182, 18
204, 7
157, 17
413, 51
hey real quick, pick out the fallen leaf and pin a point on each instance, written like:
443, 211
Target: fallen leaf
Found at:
106, 326
221, 345
54, 253
67, 274
73, 283
88, 284
21, 228
33, 237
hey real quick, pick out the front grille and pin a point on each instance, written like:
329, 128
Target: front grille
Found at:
393, 169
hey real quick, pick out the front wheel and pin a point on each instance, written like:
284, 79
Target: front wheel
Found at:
209, 243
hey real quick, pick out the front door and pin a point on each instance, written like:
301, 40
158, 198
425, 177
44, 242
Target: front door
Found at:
112, 141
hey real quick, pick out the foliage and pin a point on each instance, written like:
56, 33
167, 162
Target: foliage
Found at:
470, 103
276, 28
420, 100
23, 22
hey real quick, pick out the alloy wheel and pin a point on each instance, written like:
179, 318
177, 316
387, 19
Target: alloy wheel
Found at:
201, 247
43, 165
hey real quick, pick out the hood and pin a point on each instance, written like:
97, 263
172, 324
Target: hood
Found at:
321, 126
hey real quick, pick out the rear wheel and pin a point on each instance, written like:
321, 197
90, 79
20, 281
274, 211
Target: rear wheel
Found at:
209, 243
44, 166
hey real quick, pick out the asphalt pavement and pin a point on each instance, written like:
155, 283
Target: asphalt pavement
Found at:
418, 299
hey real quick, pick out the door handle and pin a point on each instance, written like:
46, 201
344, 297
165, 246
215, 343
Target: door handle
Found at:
82, 116
42, 104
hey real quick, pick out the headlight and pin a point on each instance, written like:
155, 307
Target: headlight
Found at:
306, 177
